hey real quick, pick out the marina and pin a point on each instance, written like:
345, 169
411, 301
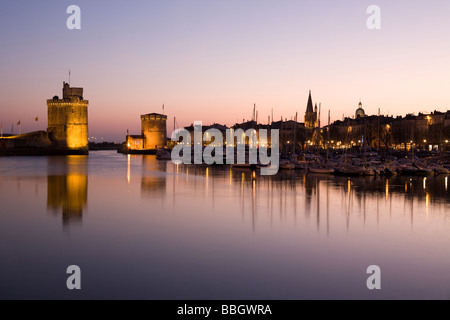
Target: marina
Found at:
340, 162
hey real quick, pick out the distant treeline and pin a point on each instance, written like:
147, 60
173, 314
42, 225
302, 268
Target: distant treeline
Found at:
93, 146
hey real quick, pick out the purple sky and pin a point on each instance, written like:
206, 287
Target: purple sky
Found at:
211, 60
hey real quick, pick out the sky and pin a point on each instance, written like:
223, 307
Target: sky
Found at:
211, 60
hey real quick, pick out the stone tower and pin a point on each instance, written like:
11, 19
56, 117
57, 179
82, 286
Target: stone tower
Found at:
68, 121
310, 115
153, 127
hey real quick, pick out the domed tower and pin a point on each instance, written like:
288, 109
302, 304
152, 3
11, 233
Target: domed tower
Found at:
360, 111
68, 121
310, 115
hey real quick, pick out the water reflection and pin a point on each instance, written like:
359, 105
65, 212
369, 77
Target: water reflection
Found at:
290, 196
433, 188
153, 181
233, 231
67, 187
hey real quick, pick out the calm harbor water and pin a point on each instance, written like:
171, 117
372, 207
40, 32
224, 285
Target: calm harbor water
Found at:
144, 229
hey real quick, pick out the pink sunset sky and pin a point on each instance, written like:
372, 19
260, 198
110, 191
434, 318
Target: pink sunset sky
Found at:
211, 61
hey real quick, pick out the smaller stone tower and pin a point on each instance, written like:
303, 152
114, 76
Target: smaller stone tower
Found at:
154, 128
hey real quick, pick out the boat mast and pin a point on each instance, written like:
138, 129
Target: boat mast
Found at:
295, 136
328, 132
318, 132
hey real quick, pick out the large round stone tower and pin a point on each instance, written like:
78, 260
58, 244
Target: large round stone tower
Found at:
153, 127
68, 121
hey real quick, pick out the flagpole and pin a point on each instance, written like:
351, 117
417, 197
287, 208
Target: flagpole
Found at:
2, 130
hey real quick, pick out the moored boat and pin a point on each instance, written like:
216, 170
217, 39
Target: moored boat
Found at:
320, 170
163, 154
287, 165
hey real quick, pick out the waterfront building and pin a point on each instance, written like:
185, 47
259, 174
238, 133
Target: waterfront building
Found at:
153, 135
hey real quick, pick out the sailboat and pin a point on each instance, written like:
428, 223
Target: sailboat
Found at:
286, 165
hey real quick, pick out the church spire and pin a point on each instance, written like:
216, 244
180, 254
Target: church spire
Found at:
309, 107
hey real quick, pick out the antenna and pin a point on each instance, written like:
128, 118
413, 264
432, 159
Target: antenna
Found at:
69, 77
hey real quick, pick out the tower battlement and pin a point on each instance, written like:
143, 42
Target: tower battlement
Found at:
154, 116
64, 103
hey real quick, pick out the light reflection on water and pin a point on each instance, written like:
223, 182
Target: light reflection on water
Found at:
67, 185
142, 228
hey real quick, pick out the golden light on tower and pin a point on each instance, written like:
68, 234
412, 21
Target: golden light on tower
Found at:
68, 120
